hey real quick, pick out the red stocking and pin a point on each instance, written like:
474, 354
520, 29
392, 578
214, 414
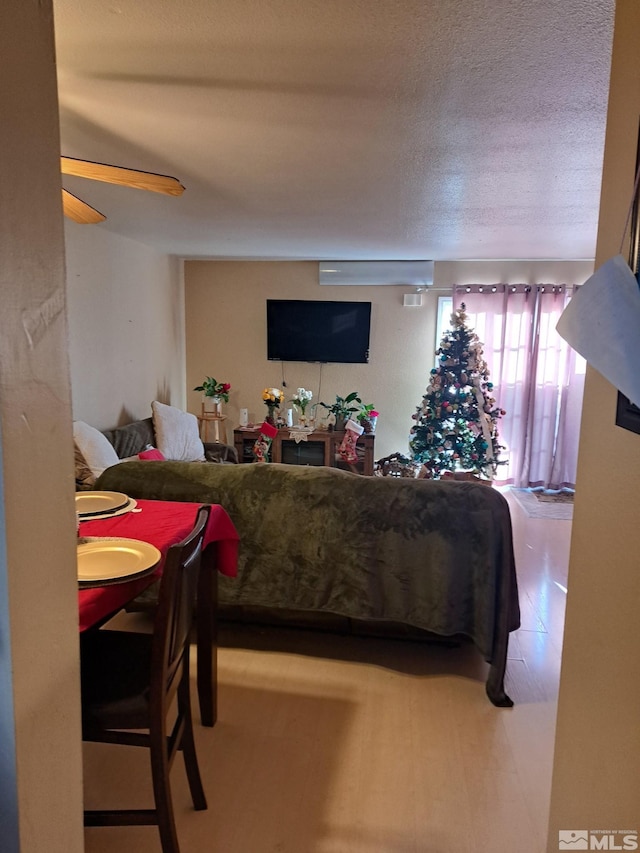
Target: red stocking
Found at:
348, 446
263, 442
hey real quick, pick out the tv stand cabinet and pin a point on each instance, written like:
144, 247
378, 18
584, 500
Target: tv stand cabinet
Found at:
320, 448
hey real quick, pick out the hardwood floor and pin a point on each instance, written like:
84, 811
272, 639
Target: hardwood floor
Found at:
333, 744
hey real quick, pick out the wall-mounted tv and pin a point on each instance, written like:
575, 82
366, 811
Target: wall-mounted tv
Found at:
310, 330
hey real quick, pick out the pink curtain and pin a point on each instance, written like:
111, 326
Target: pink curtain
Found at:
538, 379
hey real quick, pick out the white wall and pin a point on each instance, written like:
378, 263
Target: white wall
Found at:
40, 739
512, 272
126, 326
596, 777
226, 334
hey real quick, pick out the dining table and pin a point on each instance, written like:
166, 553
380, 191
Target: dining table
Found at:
163, 524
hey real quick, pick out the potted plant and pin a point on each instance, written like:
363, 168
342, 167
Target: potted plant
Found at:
367, 417
343, 408
214, 393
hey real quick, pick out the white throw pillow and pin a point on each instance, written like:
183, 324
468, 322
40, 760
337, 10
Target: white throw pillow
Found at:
177, 434
98, 452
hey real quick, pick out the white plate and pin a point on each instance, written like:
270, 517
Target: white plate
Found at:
100, 503
104, 561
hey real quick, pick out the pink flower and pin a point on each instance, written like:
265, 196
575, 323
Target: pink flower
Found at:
373, 414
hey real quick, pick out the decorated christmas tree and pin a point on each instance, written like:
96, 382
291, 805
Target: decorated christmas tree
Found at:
456, 424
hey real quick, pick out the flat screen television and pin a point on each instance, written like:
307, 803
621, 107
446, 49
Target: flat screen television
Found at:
310, 330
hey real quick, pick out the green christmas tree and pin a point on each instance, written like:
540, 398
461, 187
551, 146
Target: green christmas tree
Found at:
456, 424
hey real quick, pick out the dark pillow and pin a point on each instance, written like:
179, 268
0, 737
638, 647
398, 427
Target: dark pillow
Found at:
133, 438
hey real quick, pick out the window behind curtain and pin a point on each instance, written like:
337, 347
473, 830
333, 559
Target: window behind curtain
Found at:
443, 321
538, 379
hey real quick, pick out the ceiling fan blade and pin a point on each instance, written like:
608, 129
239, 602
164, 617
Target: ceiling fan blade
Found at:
123, 177
80, 211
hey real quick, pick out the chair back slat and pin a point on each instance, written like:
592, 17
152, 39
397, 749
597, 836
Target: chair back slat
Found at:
176, 607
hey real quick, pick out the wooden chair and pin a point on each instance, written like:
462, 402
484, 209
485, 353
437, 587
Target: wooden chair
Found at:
129, 681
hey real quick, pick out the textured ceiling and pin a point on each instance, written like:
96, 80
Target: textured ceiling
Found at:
352, 129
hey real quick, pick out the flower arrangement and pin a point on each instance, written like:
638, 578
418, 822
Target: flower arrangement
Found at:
367, 411
273, 397
212, 388
302, 399
367, 417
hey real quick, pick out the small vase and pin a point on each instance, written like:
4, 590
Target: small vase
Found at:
213, 405
271, 417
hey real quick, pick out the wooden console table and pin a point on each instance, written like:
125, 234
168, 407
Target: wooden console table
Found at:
320, 448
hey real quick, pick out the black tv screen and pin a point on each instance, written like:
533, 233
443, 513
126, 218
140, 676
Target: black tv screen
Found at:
308, 330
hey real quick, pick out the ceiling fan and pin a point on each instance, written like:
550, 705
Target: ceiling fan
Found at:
82, 212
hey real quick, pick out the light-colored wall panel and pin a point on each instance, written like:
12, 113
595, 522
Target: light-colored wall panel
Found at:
596, 776
40, 737
126, 327
226, 337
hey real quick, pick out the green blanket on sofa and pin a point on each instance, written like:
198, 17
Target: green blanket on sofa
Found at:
431, 554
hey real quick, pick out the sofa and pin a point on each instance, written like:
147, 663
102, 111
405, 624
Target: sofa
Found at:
95, 450
131, 439
434, 555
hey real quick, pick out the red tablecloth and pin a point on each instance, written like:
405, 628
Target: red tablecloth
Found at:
162, 523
